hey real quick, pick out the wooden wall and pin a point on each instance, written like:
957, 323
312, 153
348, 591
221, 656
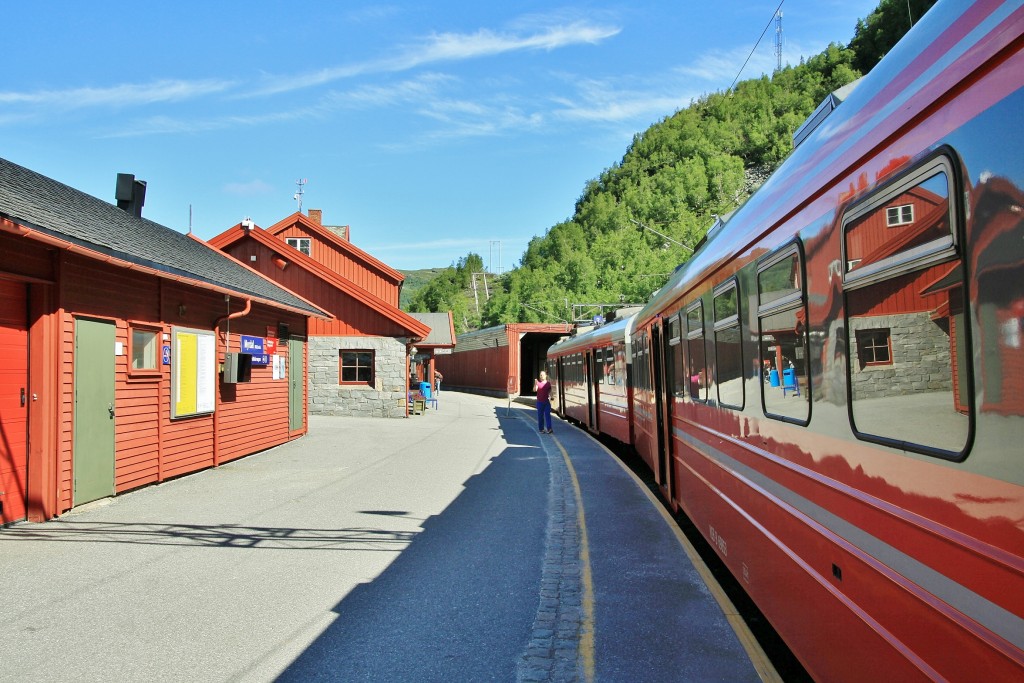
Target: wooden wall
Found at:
349, 266
149, 445
351, 317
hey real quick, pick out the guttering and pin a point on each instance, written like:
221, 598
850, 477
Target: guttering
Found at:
227, 345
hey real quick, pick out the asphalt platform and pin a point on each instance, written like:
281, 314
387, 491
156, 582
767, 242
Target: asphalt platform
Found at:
458, 545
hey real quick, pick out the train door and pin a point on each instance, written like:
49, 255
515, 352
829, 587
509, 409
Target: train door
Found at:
560, 385
658, 357
13, 401
591, 380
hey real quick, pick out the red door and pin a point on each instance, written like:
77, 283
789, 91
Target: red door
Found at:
13, 400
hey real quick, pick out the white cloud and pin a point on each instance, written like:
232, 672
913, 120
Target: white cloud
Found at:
442, 47
126, 94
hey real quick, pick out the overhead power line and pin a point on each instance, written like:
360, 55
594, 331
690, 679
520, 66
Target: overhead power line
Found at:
766, 27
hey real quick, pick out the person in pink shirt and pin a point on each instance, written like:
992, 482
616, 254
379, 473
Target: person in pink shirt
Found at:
543, 388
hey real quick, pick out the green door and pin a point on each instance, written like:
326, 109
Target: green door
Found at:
94, 410
296, 396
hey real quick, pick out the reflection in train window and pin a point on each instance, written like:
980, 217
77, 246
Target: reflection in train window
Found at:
696, 356
782, 338
728, 349
677, 375
599, 366
874, 241
907, 349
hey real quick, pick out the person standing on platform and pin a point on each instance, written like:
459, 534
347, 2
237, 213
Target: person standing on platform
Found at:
543, 388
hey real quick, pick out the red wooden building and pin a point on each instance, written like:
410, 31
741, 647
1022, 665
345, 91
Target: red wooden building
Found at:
500, 360
440, 342
113, 331
360, 356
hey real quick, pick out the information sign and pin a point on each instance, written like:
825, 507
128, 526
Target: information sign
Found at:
193, 379
256, 347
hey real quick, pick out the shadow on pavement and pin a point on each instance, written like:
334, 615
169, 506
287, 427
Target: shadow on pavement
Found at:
459, 602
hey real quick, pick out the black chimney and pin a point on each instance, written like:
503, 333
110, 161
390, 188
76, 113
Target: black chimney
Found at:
130, 194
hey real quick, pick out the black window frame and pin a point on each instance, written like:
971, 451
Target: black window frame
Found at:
727, 323
796, 300
937, 252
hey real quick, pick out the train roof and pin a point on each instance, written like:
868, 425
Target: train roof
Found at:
618, 331
933, 58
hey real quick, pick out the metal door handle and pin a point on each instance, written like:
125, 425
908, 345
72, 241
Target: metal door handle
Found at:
23, 397
110, 408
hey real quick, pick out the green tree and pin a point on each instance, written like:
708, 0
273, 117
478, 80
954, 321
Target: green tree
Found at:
876, 34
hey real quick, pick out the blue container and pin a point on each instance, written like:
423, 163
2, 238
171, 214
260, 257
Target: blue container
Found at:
773, 378
425, 389
789, 377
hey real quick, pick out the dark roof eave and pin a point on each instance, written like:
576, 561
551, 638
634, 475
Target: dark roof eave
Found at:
99, 252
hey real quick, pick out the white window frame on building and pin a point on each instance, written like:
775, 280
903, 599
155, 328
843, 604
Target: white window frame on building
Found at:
303, 244
896, 216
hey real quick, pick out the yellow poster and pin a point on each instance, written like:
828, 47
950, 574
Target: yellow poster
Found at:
194, 372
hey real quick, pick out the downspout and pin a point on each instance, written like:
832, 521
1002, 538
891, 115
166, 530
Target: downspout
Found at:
227, 344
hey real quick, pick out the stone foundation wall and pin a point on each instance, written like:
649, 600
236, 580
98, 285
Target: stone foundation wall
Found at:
328, 397
920, 357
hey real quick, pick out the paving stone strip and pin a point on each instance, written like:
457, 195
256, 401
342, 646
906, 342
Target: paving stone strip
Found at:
552, 653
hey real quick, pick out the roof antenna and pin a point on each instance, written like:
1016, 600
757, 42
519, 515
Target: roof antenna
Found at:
190, 219
298, 195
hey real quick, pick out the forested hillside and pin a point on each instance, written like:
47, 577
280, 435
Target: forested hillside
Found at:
639, 219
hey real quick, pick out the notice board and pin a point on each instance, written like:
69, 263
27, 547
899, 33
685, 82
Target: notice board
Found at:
193, 372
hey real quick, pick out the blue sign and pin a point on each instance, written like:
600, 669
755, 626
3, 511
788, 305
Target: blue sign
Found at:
254, 347
167, 354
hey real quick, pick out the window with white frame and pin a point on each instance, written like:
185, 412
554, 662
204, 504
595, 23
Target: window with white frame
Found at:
300, 243
899, 215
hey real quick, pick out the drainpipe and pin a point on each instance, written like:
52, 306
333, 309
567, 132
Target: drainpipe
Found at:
227, 344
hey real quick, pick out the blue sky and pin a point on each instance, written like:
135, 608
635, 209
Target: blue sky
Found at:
432, 129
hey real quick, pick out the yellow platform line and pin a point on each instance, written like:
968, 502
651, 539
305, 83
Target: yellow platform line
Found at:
587, 636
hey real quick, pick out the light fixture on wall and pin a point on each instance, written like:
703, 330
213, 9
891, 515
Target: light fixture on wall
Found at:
279, 262
413, 350
181, 310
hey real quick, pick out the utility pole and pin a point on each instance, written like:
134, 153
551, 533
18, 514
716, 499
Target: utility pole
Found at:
490, 257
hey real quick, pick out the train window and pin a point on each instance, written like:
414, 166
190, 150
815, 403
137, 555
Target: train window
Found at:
677, 376
907, 351
599, 366
782, 337
609, 365
728, 346
696, 355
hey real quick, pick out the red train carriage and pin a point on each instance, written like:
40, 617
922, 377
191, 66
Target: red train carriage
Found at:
590, 370
831, 387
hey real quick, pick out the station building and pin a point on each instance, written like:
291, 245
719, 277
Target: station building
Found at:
119, 349
362, 356
440, 342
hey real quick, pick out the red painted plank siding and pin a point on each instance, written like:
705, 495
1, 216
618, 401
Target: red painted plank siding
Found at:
29, 261
352, 318
346, 265
149, 446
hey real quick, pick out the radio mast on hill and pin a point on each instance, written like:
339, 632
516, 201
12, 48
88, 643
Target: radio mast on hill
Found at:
298, 195
778, 41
